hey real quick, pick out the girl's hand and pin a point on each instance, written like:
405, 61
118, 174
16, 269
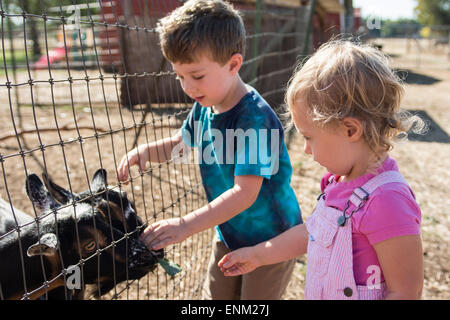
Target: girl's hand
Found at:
137, 156
239, 262
165, 232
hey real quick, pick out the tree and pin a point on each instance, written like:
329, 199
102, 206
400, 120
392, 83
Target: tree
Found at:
31, 7
433, 12
34, 24
400, 28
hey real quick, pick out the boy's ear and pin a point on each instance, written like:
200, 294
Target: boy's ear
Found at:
354, 129
235, 63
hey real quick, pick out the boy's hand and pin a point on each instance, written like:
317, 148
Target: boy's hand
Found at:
239, 262
165, 232
138, 155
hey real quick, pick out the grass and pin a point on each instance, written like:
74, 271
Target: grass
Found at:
19, 57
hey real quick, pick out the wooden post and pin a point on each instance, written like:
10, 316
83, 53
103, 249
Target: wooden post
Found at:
306, 39
257, 30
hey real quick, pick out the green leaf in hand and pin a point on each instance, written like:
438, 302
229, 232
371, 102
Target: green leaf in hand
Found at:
171, 268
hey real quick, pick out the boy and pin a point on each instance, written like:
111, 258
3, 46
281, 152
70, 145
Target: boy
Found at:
247, 184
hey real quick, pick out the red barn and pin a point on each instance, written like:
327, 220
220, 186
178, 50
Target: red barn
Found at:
130, 44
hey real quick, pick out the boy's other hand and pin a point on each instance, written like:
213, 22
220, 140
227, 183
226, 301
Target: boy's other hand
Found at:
137, 156
163, 233
239, 262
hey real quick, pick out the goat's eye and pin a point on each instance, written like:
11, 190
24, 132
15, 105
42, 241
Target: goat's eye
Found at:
90, 246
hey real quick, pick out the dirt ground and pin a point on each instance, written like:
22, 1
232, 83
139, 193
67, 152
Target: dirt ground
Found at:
172, 189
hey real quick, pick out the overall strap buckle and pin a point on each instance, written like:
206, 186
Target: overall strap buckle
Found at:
358, 198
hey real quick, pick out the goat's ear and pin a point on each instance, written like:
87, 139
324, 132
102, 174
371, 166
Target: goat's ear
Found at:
38, 194
47, 246
99, 180
62, 195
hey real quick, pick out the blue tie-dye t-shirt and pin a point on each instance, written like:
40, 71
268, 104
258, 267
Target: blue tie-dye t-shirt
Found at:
245, 140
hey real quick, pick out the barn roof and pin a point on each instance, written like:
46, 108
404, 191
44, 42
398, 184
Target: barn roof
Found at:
328, 5
331, 6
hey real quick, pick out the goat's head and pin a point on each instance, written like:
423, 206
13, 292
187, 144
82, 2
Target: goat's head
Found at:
99, 226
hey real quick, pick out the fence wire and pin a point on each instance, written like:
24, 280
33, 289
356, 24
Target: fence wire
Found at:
82, 83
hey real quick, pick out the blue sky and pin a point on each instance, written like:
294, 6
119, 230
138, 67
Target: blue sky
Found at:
387, 9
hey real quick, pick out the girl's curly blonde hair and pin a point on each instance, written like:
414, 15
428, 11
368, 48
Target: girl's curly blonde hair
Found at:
346, 79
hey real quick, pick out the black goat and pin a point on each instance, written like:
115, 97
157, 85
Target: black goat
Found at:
97, 230
8, 218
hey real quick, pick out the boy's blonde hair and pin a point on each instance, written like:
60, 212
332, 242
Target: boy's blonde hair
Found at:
344, 79
199, 25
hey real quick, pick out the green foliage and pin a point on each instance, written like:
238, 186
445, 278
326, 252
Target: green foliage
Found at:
433, 12
39, 7
35, 6
34, 22
400, 27
171, 268
19, 57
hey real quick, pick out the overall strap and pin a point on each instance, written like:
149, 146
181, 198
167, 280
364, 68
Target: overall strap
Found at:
361, 194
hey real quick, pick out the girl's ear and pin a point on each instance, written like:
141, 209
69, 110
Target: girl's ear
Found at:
235, 63
354, 129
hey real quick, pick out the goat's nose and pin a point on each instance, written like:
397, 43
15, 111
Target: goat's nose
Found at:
142, 228
159, 254
140, 256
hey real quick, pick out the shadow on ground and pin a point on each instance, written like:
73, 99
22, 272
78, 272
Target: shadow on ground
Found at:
434, 132
411, 77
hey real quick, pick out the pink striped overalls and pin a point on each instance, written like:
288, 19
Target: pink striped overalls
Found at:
329, 273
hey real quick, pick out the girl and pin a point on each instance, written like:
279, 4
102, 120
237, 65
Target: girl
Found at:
363, 238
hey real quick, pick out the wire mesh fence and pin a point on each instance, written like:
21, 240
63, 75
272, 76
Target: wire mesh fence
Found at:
83, 82
425, 44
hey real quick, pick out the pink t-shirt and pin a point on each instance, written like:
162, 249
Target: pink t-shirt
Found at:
391, 211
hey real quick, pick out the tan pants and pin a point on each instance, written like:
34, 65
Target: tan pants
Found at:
265, 283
